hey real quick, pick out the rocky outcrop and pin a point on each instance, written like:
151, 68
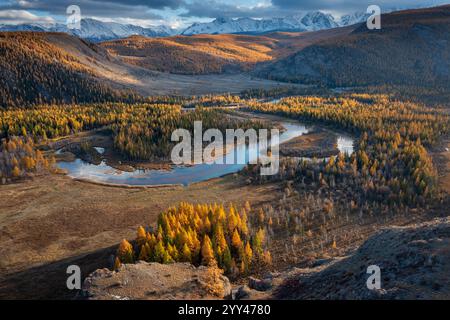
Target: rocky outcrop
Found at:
151, 281
260, 285
414, 263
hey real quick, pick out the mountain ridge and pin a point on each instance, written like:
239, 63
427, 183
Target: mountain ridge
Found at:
308, 21
411, 48
98, 31
95, 30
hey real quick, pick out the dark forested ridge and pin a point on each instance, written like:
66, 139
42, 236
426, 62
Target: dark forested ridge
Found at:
411, 48
33, 70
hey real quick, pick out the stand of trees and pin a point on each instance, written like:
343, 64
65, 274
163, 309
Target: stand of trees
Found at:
19, 158
147, 135
53, 121
140, 131
201, 234
391, 164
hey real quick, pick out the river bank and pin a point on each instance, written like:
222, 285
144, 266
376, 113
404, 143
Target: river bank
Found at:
104, 171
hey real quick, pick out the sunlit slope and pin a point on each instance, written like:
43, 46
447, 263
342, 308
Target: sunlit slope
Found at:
37, 68
206, 54
200, 54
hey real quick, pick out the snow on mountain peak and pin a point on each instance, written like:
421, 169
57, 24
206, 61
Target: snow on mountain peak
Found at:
95, 30
302, 21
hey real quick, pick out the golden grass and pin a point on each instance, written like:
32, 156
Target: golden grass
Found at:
194, 55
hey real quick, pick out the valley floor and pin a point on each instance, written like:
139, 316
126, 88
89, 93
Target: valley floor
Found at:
160, 83
53, 221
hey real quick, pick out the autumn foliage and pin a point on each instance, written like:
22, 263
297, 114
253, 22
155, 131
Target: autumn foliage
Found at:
20, 158
200, 234
35, 71
391, 163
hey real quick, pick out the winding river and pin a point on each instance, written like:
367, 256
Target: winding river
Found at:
184, 175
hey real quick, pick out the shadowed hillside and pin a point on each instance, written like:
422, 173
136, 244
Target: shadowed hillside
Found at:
37, 68
413, 261
413, 47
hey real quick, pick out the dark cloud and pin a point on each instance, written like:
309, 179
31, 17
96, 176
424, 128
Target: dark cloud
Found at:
140, 9
346, 5
214, 9
144, 9
280, 8
316, 4
154, 4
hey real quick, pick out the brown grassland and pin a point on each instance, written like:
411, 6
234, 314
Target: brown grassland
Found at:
54, 221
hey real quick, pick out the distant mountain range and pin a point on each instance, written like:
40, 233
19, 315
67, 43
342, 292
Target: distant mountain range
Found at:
97, 31
310, 21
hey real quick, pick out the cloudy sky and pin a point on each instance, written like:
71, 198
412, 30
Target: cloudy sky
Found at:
179, 13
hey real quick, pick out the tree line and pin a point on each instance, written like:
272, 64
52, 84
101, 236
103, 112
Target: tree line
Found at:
391, 163
19, 158
200, 234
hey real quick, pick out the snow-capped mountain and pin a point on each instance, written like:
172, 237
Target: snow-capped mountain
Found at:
22, 27
349, 19
308, 21
241, 25
98, 31
95, 30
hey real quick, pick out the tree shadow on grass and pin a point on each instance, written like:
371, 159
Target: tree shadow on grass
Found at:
48, 282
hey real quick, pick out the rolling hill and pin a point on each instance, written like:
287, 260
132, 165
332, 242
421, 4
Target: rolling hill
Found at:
413, 47
193, 55
206, 54
46, 68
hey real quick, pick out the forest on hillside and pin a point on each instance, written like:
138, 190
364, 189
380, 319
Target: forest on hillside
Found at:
192, 55
140, 131
391, 164
47, 74
411, 48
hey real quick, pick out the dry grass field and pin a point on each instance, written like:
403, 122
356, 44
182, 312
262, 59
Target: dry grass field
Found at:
53, 219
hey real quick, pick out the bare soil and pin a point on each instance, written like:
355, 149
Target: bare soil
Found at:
318, 143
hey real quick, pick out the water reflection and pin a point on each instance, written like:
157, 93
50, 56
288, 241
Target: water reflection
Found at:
183, 174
